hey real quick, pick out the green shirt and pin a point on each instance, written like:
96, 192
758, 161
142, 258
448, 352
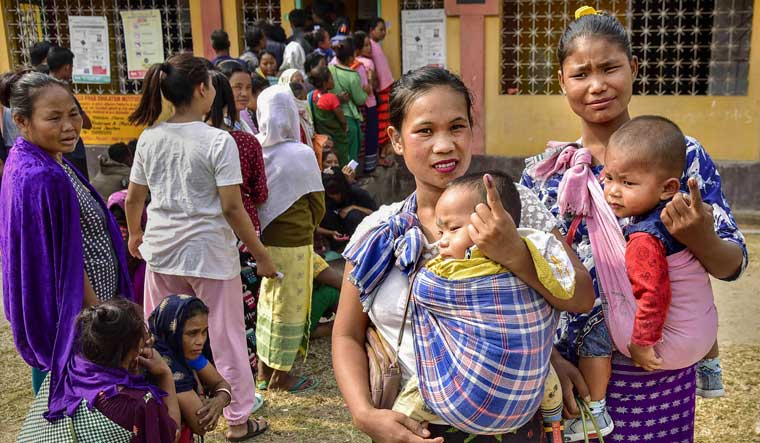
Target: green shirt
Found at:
348, 80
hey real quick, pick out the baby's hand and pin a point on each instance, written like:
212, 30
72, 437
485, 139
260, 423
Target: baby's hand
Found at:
645, 357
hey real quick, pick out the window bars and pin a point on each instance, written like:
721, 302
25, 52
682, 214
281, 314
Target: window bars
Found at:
684, 47
34, 20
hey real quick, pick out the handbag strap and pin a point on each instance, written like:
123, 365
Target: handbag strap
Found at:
406, 313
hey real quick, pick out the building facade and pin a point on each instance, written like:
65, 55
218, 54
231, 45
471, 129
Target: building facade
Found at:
697, 65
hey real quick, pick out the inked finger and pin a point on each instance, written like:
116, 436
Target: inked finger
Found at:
695, 193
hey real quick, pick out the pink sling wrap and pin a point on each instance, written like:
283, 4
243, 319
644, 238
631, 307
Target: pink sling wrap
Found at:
692, 321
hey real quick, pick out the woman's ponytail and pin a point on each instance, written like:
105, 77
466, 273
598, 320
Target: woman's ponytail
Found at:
150, 108
174, 79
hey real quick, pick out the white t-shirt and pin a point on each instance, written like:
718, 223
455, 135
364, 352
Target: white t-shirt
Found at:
183, 164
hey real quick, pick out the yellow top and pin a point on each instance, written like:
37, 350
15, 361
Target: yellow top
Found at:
552, 269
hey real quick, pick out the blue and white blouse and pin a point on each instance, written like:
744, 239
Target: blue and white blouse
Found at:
573, 327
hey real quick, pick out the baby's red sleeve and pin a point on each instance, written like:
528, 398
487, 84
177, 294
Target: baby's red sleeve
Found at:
647, 267
328, 102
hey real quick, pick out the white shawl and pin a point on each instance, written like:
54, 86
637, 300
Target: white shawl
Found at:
291, 166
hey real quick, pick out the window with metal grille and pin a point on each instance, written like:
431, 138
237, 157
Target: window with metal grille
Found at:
32, 21
684, 47
255, 10
421, 4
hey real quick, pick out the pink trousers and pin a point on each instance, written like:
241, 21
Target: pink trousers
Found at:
226, 327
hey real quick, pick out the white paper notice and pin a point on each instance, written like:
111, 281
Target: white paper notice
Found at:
89, 43
423, 38
143, 41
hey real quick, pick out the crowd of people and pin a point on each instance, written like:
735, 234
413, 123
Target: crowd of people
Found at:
199, 261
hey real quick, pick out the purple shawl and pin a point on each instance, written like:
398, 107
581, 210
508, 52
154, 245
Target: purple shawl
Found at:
43, 261
85, 380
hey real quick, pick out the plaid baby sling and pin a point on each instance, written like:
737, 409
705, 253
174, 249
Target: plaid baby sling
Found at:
483, 346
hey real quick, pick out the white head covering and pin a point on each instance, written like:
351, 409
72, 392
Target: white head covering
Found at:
287, 76
294, 56
291, 167
302, 105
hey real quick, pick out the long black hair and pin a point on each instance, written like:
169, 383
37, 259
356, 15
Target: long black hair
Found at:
176, 79
224, 102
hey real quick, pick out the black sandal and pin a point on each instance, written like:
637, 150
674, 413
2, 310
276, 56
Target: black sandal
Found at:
252, 432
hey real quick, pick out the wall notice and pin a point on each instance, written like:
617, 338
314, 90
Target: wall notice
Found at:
423, 38
89, 43
109, 115
143, 41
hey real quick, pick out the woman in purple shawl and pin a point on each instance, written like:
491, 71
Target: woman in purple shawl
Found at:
61, 249
106, 396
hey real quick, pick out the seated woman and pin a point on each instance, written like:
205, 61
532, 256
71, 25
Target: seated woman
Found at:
179, 326
346, 206
119, 404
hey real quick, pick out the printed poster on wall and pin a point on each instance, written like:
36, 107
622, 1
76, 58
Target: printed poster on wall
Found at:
109, 115
143, 40
423, 38
89, 43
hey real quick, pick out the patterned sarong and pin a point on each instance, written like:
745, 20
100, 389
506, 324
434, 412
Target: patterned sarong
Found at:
383, 116
483, 346
282, 327
654, 406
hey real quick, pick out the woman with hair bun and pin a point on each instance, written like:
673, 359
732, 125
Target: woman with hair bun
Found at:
106, 396
597, 71
61, 248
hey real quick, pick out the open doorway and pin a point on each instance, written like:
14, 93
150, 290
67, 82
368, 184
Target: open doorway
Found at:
330, 13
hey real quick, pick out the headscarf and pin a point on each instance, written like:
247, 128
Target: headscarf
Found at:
294, 56
167, 324
303, 106
287, 76
291, 167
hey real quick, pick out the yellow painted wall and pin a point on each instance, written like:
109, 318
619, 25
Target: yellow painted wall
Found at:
453, 45
196, 28
390, 10
729, 127
285, 7
5, 50
232, 22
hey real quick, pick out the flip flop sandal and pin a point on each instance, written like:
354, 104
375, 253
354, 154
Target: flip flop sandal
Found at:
252, 431
258, 402
299, 386
262, 385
